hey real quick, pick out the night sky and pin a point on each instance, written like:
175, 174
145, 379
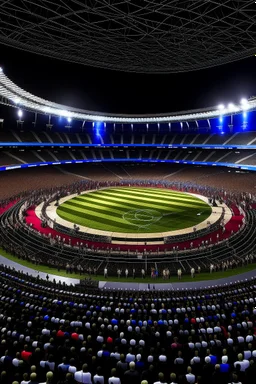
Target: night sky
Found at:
118, 92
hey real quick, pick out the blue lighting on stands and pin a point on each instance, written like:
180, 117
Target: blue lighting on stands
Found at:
98, 128
82, 145
62, 162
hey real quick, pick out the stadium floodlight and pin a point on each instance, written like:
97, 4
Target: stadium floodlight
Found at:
231, 107
62, 113
20, 113
69, 119
244, 104
16, 100
65, 113
221, 107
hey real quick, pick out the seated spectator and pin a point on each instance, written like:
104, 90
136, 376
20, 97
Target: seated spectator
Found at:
33, 378
83, 376
195, 364
49, 364
49, 378
149, 374
114, 379
224, 366
98, 378
26, 354
25, 379
218, 377
139, 365
130, 356
161, 379
190, 378
17, 361
121, 366
132, 375
64, 366
207, 370
173, 378
244, 364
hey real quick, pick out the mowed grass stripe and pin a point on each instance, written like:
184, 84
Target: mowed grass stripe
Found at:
109, 203
151, 190
106, 222
96, 219
155, 195
105, 209
96, 207
143, 200
82, 212
135, 203
128, 202
158, 192
97, 211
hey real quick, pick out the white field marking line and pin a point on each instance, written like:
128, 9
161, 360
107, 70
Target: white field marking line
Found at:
133, 215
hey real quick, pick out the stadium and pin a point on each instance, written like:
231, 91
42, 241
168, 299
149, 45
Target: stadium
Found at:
127, 240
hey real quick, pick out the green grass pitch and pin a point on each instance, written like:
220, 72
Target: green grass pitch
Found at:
135, 210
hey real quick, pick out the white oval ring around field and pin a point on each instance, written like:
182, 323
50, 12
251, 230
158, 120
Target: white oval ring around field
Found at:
51, 211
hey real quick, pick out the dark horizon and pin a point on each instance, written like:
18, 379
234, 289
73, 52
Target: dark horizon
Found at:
128, 93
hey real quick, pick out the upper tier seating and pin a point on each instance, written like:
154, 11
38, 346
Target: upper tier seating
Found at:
22, 156
89, 137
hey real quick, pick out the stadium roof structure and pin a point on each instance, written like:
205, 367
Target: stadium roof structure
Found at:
150, 36
12, 95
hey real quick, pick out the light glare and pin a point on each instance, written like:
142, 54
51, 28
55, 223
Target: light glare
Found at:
20, 113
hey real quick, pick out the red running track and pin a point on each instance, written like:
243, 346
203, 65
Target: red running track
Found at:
233, 225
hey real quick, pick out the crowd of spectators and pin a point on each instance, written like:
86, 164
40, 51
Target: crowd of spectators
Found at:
58, 334
80, 264
51, 333
28, 180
